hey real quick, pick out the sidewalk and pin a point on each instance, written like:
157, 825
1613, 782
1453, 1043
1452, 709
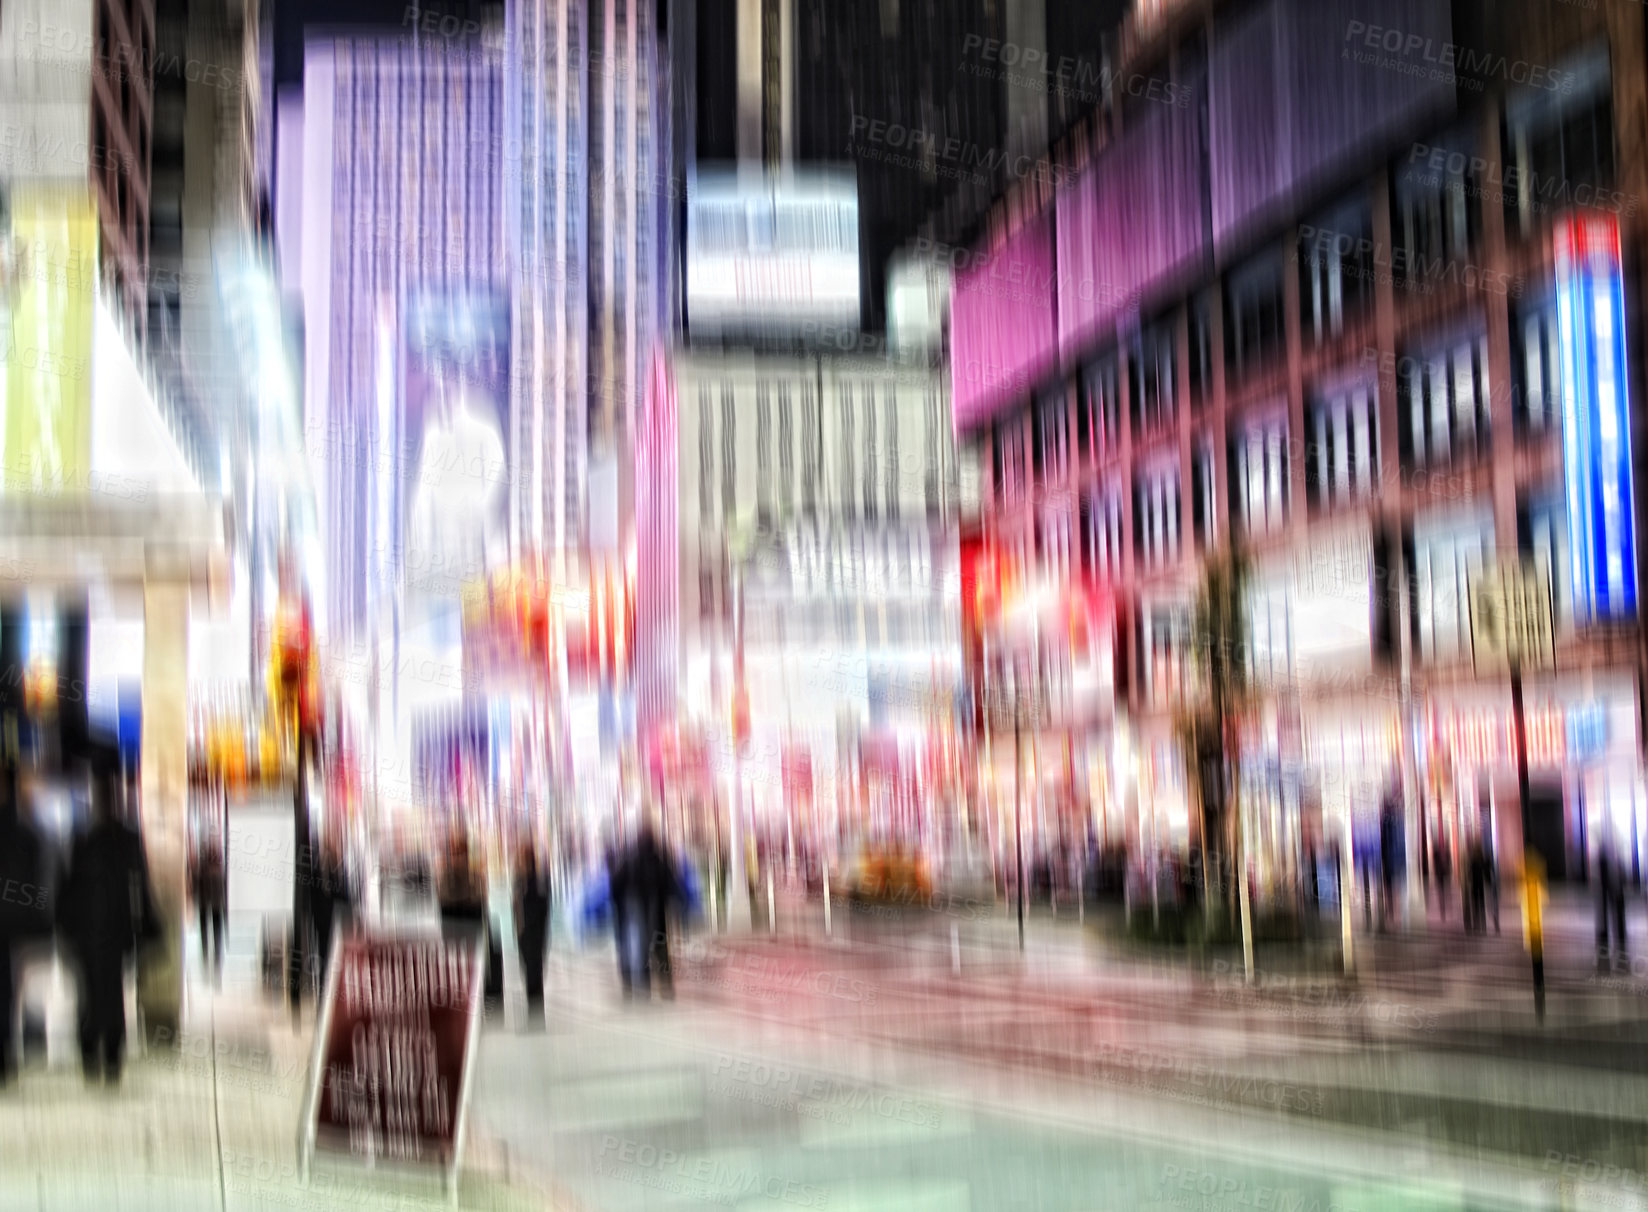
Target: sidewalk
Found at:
211, 1124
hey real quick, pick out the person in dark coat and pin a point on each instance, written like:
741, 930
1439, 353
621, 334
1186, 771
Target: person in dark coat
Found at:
24, 909
645, 887
531, 921
1442, 868
462, 895
329, 892
210, 888
1390, 852
1610, 905
1476, 887
105, 908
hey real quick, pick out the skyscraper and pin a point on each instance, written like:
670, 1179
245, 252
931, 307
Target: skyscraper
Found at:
587, 162
396, 146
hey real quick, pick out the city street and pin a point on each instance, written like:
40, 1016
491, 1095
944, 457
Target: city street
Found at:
861, 1071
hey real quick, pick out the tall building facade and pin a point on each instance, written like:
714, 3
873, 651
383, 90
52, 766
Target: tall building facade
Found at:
391, 168
1376, 315
588, 168
819, 498
77, 100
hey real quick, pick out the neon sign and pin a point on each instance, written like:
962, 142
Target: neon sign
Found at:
1596, 419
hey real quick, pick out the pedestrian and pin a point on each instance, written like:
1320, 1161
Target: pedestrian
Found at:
1533, 923
1390, 852
532, 900
645, 889
329, 891
463, 900
1610, 905
208, 885
25, 910
1475, 886
1442, 867
105, 910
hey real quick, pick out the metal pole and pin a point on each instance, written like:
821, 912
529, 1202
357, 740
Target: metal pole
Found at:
1018, 812
302, 871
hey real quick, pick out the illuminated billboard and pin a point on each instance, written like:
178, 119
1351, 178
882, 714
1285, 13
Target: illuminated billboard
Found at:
769, 255
1596, 417
454, 468
48, 238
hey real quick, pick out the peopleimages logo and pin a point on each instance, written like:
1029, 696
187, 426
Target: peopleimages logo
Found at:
1444, 59
1493, 182
1402, 268
957, 155
1062, 75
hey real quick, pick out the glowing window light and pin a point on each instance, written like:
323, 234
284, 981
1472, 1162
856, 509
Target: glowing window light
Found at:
1596, 437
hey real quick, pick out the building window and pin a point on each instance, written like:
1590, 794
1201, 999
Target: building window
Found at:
1055, 544
786, 449
1336, 268
1201, 350
1099, 416
1253, 314
1156, 516
1259, 474
1444, 398
933, 477
1543, 538
848, 438
812, 451
1443, 553
1433, 213
706, 458
890, 398
729, 455
871, 450
1011, 462
1205, 515
763, 454
1342, 460
706, 594
1167, 648
1536, 359
1102, 534
1053, 437
1152, 356
1561, 144
1270, 632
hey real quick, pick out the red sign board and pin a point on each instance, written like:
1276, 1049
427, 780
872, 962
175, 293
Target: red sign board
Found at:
393, 1051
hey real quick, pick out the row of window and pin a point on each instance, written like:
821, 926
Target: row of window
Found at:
868, 465
1441, 554
1444, 409
1556, 151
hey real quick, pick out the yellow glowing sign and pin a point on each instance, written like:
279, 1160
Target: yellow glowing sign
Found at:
47, 379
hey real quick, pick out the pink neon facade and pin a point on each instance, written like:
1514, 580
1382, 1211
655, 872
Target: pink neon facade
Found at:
1131, 222
1003, 324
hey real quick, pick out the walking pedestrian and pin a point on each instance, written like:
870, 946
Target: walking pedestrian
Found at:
24, 911
1475, 886
463, 900
532, 900
1442, 868
105, 910
209, 888
1610, 905
329, 891
645, 889
1390, 851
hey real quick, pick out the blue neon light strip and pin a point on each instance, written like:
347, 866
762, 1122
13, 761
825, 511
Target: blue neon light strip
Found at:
1596, 428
